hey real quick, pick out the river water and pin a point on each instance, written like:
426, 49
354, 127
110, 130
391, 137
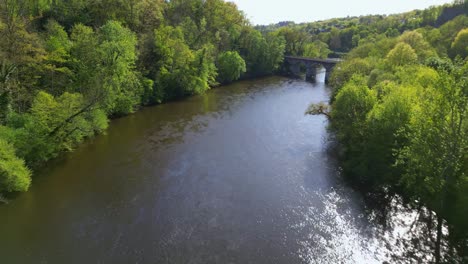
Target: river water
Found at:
238, 175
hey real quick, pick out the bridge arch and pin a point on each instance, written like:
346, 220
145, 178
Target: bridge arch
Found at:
294, 64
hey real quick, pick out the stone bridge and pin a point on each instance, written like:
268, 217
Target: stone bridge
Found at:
295, 64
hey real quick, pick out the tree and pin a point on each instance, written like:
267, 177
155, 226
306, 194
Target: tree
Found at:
21, 54
460, 44
449, 31
181, 71
85, 62
263, 54
57, 124
420, 46
384, 122
224, 23
14, 175
117, 54
230, 66
295, 40
434, 160
402, 54
335, 40
57, 75
316, 49
346, 69
349, 113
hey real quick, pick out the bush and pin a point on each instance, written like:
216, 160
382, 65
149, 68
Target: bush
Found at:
14, 175
230, 66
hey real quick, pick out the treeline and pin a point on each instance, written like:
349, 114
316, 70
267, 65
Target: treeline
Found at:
400, 115
335, 36
67, 66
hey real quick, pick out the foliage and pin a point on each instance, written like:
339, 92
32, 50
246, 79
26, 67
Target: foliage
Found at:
121, 90
181, 71
438, 26
317, 49
350, 67
460, 44
263, 54
419, 45
230, 66
57, 124
14, 175
349, 113
295, 40
402, 54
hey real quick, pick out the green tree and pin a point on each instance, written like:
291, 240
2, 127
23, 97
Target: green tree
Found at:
335, 40
263, 54
348, 68
57, 124
420, 46
85, 62
434, 160
402, 54
117, 53
295, 40
230, 66
181, 71
316, 49
57, 75
384, 122
349, 114
14, 175
449, 31
460, 44
21, 54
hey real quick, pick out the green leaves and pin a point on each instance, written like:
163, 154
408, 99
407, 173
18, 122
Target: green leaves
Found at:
14, 175
402, 54
180, 70
436, 152
460, 44
104, 64
316, 49
57, 124
230, 66
263, 54
117, 54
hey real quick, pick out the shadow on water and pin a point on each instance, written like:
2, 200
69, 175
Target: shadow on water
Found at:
406, 230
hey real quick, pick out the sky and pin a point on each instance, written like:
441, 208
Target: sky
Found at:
264, 12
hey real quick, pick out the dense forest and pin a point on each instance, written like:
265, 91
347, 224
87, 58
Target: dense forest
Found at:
67, 66
399, 112
335, 37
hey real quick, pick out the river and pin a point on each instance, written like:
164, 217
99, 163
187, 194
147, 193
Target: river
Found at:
238, 175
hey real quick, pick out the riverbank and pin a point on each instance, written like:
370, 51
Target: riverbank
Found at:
56, 154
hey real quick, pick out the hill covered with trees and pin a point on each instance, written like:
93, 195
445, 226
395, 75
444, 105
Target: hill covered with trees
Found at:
340, 35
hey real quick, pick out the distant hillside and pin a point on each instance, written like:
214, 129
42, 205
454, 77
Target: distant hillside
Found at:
343, 34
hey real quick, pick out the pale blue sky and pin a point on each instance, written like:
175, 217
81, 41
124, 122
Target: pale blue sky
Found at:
272, 11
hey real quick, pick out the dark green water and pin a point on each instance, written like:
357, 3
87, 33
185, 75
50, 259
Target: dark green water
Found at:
239, 175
